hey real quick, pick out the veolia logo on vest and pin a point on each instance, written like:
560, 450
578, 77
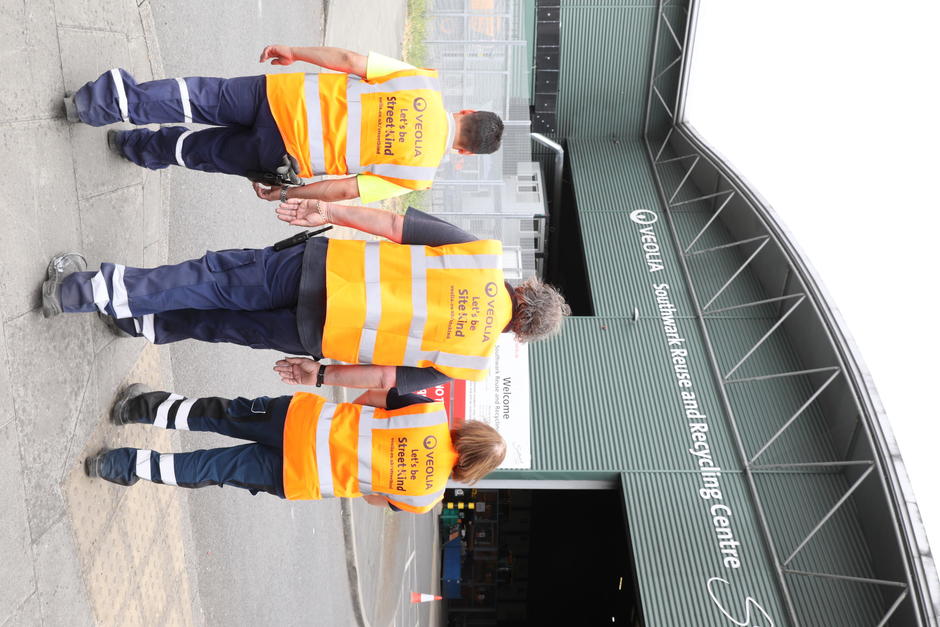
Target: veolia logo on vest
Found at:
403, 125
412, 466
473, 313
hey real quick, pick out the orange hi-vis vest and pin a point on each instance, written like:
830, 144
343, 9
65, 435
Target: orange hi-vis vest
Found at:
348, 450
398, 305
394, 126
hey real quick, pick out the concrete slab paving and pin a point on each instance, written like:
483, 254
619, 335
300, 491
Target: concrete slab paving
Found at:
78, 551
97, 169
112, 227
130, 541
45, 401
40, 218
60, 375
62, 595
30, 49
28, 613
92, 15
15, 542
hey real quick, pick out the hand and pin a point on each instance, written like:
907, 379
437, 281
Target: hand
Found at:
301, 212
279, 55
297, 370
265, 192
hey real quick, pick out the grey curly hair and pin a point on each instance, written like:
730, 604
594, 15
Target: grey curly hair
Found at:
540, 311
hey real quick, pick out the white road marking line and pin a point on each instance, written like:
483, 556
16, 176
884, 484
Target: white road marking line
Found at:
408, 563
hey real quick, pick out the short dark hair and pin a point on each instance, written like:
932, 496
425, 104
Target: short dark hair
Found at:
481, 132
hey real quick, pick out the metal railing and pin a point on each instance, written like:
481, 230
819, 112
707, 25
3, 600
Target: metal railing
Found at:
669, 71
479, 50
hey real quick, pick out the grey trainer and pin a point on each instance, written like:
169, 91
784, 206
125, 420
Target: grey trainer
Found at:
119, 411
59, 267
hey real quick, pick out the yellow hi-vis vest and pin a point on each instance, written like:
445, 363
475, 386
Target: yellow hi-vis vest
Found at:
397, 305
348, 450
394, 126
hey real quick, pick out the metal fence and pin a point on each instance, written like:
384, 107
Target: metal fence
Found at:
479, 48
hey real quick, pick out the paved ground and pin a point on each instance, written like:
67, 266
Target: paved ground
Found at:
80, 552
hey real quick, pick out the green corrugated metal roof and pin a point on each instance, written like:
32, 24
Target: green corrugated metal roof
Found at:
677, 552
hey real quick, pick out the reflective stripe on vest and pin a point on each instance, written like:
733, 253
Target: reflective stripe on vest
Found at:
330, 450
334, 111
457, 308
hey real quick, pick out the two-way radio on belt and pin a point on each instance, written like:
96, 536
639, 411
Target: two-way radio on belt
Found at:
300, 238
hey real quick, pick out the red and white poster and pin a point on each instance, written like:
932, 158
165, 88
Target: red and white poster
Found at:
500, 400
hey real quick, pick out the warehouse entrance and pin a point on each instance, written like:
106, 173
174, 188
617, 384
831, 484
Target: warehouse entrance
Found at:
537, 557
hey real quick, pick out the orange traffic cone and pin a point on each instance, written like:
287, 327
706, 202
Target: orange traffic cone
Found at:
420, 597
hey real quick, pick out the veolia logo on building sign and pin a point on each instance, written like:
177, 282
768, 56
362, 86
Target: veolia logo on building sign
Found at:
643, 216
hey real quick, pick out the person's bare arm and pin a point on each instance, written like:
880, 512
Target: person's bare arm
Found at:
375, 499
312, 213
328, 189
373, 398
303, 371
338, 59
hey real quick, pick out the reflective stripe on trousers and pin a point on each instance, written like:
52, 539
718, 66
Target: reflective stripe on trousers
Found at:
110, 292
143, 467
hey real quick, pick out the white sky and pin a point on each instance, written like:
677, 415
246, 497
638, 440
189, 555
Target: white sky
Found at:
828, 108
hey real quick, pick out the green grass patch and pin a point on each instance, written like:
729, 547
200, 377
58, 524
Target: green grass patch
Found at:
414, 50
399, 204
419, 200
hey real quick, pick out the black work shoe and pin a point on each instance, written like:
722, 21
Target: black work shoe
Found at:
119, 411
112, 325
115, 144
59, 267
95, 468
71, 111
93, 463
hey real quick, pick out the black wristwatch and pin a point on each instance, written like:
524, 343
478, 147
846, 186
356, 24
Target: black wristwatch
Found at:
320, 373
283, 193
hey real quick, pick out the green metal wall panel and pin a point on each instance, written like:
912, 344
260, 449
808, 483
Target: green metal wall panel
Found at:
604, 393
677, 552
606, 52
604, 397
612, 178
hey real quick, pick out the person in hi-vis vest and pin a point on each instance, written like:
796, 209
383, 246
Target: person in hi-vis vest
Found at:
379, 119
425, 307
391, 449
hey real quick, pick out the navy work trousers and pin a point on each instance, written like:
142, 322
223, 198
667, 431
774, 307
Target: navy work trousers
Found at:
246, 141
257, 467
246, 297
